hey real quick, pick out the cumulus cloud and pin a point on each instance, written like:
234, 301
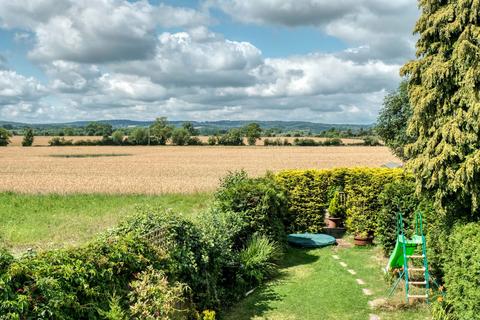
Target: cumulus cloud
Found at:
383, 28
94, 31
114, 59
197, 58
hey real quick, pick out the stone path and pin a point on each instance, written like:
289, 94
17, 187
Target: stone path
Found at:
360, 282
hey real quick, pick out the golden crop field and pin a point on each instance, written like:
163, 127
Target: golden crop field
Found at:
162, 169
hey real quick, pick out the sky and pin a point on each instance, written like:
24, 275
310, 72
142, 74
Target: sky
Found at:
308, 60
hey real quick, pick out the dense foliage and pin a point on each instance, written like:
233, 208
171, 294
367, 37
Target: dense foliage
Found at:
260, 201
28, 138
462, 269
443, 91
5, 136
156, 264
393, 120
309, 193
397, 197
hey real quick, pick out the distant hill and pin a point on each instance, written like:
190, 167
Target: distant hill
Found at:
208, 125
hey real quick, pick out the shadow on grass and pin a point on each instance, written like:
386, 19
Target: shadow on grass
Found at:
298, 256
260, 301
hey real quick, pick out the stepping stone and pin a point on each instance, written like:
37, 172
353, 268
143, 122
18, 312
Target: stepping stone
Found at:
352, 271
367, 292
343, 264
336, 257
377, 303
360, 282
373, 317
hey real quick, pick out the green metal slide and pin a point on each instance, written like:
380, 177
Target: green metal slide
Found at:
397, 258
403, 255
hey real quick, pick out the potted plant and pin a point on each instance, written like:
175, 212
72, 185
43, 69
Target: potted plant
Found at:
363, 232
336, 211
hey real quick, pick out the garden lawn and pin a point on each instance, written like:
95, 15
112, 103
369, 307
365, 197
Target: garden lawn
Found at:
313, 285
50, 221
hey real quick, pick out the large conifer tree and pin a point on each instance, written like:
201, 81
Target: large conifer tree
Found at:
444, 94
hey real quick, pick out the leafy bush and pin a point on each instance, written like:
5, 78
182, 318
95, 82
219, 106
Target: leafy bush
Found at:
258, 259
276, 142
260, 201
5, 136
194, 141
28, 138
371, 141
180, 136
60, 141
153, 297
462, 267
212, 140
234, 137
398, 196
305, 142
333, 142
74, 283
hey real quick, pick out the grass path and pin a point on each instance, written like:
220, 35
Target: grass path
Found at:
48, 221
314, 285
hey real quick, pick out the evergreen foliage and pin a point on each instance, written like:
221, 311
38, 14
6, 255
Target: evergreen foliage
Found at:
444, 93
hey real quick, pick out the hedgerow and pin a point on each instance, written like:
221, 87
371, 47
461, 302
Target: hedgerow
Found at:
310, 191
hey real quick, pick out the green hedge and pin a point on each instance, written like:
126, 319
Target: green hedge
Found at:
310, 191
462, 272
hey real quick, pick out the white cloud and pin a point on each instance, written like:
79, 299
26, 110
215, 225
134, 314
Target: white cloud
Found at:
382, 27
197, 58
94, 31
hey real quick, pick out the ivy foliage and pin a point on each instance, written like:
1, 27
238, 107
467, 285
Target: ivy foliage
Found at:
444, 84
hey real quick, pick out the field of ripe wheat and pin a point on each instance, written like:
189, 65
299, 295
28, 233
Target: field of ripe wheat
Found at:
161, 169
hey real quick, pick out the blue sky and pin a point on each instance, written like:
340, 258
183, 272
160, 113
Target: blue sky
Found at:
312, 60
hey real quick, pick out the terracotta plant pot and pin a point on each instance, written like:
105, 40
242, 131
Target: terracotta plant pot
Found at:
333, 222
363, 241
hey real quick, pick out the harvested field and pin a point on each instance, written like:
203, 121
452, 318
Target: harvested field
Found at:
162, 169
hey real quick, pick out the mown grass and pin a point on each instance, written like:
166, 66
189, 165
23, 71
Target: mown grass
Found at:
49, 221
313, 285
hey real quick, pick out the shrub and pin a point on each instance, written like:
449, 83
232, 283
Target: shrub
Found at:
305, 142
258, 259
234, 137
153, 297
462, 268
371, 141
194, 141
28, 138
260, 201
333, 142
398, 196
117, 137
74, 283
212, 140
180, 136
5, 136
60, 141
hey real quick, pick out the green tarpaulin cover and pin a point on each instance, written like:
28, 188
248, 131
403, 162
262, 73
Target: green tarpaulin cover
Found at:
311, 240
